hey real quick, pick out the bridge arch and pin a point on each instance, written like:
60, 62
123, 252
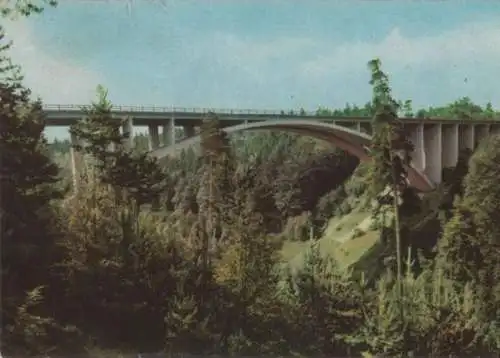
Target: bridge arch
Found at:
349, 140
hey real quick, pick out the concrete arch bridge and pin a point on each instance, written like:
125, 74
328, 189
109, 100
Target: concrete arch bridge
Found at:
437, 141
437, 145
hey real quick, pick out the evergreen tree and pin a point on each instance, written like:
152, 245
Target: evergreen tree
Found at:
390, 151
193, 308
99, 133
194, 319
27, 178
137, 174
247, 269
469, 250
216, 185
327, 305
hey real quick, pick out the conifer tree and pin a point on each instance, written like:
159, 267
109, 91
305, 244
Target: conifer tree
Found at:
390, 151
192, 313
247, 269
216, 185
192, 308
27, 178
327, 303
469, 250
137, 174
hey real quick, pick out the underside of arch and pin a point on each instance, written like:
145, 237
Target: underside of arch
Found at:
351, 141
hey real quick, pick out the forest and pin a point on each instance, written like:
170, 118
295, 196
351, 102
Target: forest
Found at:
261, 244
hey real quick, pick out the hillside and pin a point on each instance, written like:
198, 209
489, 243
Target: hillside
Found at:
346, 238
259, 244
339, 225
339, 229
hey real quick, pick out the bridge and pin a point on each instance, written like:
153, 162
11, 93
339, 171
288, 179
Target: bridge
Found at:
437, 141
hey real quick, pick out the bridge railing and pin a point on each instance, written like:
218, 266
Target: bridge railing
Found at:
120, 108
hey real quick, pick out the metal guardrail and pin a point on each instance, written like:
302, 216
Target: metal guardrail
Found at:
120, 108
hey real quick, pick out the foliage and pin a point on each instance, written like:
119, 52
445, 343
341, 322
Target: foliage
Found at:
137, 174
27, 179
462, 108
14, 8
390, 152
325, 304
390, 147
116, 267
31, 334
298, 228
440, 319
184, 261
469, 250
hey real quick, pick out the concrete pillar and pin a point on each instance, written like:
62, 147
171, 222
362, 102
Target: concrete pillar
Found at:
358, 126
433, 150
168, 132
76, 163
495, 129
417, 139
127, 128
450, 145
466, 135
154, 138
482, 132
189, 131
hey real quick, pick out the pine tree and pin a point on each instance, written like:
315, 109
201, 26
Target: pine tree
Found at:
99, 133
327, 302
390, 151
247, 269
469, 250
136, 174
457, 249
192, 309
27, 178
216, 185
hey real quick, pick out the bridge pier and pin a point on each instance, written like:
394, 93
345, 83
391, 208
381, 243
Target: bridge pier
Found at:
76, 163
495, 129
358, 126
466, 136
433, 146
127, 129
189, 131
168, 132
450, 145
482, 132
417, 139
154, 137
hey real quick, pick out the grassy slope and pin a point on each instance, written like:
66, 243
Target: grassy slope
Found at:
338, 240
363, 250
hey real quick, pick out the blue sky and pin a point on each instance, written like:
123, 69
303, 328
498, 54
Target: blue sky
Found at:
259, 53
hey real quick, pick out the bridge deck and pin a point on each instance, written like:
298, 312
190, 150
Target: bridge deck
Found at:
65, 115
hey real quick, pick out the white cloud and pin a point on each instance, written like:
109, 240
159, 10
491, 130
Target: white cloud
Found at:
429, 69
270, 71
472, 43
55, 80
254, 58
